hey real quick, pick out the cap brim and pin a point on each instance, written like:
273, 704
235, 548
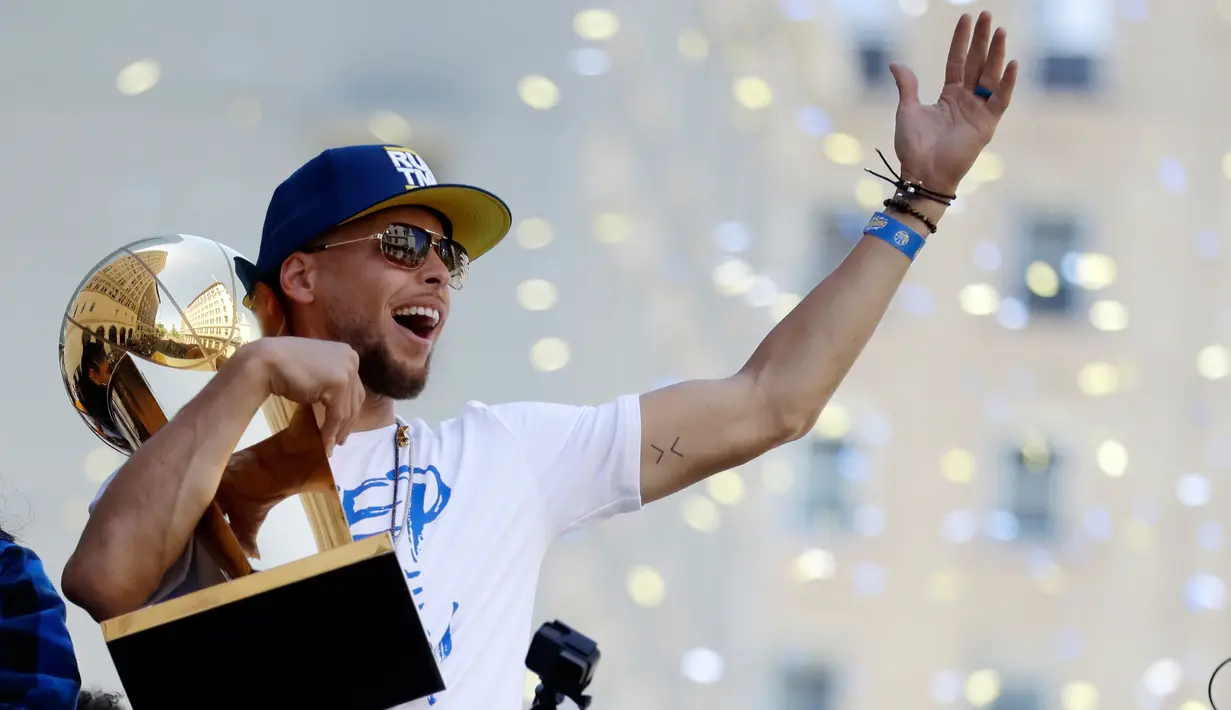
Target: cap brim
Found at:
247, 273
480, 219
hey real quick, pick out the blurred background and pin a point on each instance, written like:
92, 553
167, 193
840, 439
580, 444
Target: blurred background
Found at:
1015, 500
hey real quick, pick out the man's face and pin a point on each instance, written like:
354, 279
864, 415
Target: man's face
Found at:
391, 315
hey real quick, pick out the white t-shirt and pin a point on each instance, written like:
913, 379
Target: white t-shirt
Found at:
489, 491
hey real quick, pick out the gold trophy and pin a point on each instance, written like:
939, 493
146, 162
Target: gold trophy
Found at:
175, 302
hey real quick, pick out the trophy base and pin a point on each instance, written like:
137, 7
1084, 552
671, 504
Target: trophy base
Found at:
338, 629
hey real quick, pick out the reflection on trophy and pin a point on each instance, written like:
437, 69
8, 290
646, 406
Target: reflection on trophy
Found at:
124, 309
175, 302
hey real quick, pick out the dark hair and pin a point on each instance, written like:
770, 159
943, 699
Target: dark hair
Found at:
98, 700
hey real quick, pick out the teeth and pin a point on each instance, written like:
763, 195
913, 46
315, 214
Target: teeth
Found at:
419, 311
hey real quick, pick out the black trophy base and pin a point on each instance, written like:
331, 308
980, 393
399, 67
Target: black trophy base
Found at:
338, 629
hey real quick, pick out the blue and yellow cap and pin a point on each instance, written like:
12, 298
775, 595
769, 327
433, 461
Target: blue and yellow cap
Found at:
343, 184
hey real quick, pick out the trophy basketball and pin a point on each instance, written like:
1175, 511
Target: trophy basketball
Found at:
283, 637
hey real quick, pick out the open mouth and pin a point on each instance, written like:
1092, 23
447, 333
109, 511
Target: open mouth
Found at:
420, 320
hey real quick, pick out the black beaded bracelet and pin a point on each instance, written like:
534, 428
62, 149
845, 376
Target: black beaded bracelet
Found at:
901, 204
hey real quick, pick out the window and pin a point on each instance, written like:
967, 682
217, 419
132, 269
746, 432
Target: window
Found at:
1076, 37
1031, 490
840, 229
827, 487
874, 58
1050, 238
808, 687
1068, 72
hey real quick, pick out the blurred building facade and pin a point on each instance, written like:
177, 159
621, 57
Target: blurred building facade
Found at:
1013, 501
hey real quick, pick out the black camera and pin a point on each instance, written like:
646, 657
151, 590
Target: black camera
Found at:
564, 660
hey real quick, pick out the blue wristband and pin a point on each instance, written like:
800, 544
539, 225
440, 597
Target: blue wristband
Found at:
895, 234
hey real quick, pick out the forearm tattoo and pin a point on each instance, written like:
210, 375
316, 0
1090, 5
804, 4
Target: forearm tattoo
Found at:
661, 452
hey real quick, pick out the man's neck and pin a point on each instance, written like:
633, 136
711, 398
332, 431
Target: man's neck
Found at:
377, 412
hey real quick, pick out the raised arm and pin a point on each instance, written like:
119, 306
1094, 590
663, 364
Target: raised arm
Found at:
695, 429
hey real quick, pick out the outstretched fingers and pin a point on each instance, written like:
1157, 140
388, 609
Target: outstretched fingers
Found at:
955, 65
976, 55
999, 102
993, 67
908, 84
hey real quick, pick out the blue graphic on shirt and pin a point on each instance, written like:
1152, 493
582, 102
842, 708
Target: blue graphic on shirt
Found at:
415, 592
429, 496
422, 513
445, 647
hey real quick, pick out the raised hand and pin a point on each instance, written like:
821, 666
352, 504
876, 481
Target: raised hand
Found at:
938, 143
315, 372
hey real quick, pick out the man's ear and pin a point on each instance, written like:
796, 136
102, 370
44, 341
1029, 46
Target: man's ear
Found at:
298, 278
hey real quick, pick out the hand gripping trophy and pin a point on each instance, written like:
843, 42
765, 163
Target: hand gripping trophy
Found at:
174, 302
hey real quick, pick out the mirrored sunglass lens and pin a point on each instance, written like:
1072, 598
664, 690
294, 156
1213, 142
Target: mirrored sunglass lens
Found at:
451, 253
406, 244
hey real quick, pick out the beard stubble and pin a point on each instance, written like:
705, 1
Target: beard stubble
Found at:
379, 371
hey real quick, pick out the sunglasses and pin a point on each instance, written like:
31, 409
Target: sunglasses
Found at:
408, 246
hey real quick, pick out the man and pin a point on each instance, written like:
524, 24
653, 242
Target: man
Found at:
359, 250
